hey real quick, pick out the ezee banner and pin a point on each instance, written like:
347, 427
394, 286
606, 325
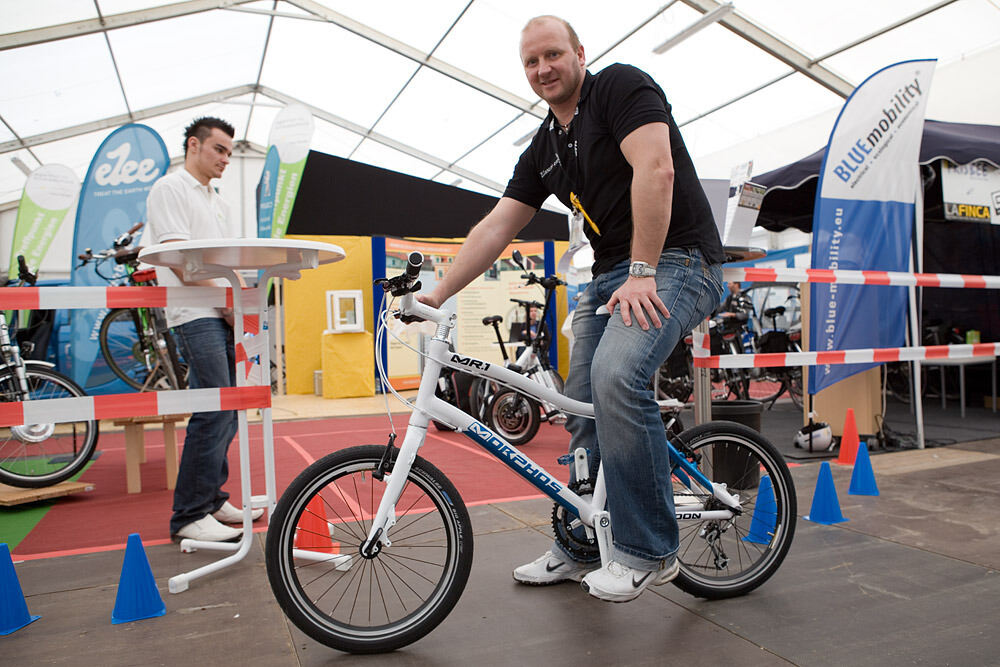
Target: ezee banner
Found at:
863, 218
265, 193
49, 194
113, 199
291, 134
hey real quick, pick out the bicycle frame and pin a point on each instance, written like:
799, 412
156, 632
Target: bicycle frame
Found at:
428, 406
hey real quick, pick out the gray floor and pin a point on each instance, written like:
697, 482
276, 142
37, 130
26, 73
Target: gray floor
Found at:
912, 578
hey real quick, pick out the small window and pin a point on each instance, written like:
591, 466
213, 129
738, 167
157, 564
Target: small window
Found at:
345, 311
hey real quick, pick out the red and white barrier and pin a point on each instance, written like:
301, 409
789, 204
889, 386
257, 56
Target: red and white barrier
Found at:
704, 359
119, 406
45, 298
847, 277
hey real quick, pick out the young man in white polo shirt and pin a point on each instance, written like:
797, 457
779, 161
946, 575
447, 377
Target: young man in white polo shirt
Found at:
183, 206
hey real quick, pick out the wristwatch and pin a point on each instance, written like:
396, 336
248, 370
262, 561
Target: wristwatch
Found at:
641, 270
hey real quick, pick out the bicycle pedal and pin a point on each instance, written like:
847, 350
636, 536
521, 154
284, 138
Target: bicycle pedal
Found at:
565, 459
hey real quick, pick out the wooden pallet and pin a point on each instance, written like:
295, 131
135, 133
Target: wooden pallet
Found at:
13, 495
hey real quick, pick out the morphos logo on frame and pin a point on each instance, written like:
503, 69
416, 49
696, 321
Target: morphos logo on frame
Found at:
512, 457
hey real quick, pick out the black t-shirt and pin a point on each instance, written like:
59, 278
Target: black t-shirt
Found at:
587, 160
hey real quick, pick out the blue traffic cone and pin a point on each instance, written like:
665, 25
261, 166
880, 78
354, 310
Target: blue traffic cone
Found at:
13, 609
138, 596
863, 477
765, 514
825, 506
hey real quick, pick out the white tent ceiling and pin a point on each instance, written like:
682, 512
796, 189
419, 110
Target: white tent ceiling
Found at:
435, 89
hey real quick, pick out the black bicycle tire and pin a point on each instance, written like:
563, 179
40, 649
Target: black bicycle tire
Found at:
532, 413
176, 375
689, 578
80, 456
738, 378
305, 614
112, 363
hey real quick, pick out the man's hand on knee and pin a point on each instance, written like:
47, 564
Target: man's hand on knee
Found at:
638, 297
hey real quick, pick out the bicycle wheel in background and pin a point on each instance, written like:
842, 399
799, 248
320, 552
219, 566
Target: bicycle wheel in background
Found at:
379, 602
141, 364
34, 455
514, 416
726, 558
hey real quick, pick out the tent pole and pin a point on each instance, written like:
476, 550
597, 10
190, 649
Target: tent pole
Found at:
915, 337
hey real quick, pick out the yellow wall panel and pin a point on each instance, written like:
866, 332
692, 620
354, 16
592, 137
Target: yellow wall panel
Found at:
305, 306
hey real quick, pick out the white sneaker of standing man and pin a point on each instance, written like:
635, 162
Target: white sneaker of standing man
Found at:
207, 529
229, 514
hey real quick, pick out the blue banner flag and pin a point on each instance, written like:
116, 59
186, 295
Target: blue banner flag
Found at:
267, 188
112, 200
863, 218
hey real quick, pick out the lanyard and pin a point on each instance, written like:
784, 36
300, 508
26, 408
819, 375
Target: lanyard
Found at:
574, 199
579, 210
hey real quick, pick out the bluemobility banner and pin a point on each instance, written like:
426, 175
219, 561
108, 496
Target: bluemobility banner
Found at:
266, 189
113, 199
291, 134
864, 212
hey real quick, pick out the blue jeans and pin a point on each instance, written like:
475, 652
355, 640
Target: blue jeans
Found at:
207, 346
611, 366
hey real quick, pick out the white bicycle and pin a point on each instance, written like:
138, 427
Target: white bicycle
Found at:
370, 547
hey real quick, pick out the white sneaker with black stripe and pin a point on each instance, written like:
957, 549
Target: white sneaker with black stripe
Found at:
551, 568
621, 583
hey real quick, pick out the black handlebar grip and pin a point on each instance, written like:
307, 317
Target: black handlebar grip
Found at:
21, 264
413, 264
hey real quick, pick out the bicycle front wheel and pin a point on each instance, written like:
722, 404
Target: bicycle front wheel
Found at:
352, 602
35, 455
726, 558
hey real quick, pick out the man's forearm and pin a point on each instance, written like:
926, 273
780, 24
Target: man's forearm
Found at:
652, 195
483, 245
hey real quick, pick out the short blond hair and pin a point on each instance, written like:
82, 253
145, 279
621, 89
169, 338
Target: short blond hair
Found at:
574, 40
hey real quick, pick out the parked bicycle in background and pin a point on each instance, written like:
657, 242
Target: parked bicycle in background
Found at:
35, 455
508, 412
136, 343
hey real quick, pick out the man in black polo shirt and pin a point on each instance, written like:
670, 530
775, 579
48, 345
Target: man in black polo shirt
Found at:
611, 151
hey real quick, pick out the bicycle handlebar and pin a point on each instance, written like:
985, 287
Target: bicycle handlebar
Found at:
23, 273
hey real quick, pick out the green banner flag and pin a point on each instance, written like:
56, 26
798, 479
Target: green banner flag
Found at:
291, 134
49, 194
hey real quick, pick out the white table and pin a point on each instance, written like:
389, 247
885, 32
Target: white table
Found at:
222, 258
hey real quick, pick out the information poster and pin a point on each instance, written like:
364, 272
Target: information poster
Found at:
971, 192
489, 294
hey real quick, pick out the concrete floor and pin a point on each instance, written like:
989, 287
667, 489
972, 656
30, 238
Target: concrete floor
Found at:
912, 578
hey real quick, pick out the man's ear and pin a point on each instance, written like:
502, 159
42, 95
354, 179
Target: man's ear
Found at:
581, 56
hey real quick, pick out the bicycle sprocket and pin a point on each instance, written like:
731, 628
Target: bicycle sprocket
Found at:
569, 531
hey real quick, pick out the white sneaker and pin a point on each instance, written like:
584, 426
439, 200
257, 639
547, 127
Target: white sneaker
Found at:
621, 583
229, 514
552, 568
207, 529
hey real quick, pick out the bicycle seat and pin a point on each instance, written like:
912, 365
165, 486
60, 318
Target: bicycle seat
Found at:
487, 321
773, 312
144, 276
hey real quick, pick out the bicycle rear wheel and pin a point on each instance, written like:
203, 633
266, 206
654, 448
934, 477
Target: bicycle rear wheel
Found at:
722, 559
35, 455
141, 362
344, 599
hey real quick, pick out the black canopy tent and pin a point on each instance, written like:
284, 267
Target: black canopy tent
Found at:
791, 190
949, 246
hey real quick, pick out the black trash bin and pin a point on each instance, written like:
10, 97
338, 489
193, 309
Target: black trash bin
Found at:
734, 466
